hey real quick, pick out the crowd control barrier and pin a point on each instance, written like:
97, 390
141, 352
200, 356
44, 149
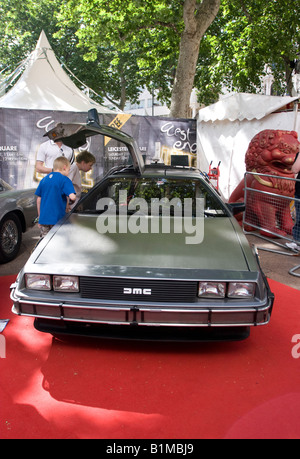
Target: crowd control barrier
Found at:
272, 214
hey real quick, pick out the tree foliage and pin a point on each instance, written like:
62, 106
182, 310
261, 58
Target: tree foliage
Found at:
117, 48
21, 26
157, 41
20, 30
247, 35
137, 41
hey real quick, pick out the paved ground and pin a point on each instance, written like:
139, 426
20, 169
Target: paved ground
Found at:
29, 240
276, 266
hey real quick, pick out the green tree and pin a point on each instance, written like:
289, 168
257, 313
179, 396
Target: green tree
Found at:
161, 36
116, 47
197, 17
247, 35
21, 25
20, 29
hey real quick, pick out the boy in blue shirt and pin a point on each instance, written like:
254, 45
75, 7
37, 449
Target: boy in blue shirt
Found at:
53, 193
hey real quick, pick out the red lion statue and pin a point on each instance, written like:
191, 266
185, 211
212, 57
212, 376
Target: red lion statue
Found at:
270, 152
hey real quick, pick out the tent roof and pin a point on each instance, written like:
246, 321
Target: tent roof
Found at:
44, 85
241, 106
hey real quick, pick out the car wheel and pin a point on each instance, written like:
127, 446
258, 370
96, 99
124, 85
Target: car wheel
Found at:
10, 237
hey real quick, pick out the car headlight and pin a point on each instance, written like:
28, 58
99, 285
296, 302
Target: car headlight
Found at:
38, 281
65, 283
241, 290
215, 289
212, 289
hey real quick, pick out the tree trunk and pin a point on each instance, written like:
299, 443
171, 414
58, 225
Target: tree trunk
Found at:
197, 18
288, 75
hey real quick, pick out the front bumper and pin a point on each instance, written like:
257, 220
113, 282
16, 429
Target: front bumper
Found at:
144, 314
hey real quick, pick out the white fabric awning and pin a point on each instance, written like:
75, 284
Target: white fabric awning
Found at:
242, 106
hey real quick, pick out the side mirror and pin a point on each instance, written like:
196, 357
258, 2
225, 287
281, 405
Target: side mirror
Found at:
93, 117
236, 207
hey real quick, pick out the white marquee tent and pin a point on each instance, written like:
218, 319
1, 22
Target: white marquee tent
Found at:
225, 129
44, 85
43, 94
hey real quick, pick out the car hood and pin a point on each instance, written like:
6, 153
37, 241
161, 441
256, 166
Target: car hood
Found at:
21, 197
16, 193
76, 247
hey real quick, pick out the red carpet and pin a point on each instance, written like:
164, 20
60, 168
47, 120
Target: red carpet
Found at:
121, 390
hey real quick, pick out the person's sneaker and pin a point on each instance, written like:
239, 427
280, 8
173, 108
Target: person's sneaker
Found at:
292, 245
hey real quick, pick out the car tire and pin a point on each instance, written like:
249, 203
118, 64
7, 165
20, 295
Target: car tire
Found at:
10, 237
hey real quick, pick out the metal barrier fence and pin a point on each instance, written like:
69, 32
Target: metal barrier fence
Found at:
271, 213
274, 215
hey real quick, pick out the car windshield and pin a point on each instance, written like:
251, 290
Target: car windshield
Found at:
148, 193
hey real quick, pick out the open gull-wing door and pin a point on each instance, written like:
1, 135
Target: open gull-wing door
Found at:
75, 136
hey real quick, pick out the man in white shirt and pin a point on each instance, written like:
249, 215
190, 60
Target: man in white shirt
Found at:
48, 152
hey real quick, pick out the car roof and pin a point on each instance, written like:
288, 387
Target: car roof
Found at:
159, 170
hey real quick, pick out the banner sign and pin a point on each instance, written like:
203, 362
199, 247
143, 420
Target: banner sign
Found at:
159, 139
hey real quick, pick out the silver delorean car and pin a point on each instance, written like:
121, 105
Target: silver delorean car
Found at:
151, 252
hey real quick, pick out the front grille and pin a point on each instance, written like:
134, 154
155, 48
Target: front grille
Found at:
138, 290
